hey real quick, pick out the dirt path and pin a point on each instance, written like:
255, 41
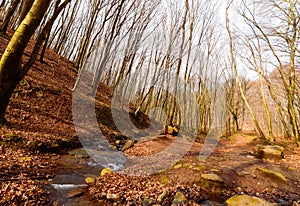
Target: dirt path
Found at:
233, 160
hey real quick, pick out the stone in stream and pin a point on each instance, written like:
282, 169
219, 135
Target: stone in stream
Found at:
90, 180
127, 145
246, 200
105, 171
76, 192
269, 152
82, 153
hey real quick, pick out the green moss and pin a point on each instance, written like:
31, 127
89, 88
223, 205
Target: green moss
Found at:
272, 174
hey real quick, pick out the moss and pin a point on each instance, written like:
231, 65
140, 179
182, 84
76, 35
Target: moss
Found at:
272, 174
246, 200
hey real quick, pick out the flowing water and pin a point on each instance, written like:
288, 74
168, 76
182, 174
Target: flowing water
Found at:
68, 187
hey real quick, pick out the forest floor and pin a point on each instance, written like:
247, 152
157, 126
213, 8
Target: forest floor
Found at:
40, 131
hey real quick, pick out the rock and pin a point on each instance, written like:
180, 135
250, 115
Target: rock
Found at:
127, 145
147, 202
272, 174
179, 199
246, 200
269, 152
168, 129
177, 166
76, 192
79, 153
90, 180
110, 196
162, 196
105, 171
242, 173
171, 130
199, 168
212, 183
164, 180
215, 170
212, 177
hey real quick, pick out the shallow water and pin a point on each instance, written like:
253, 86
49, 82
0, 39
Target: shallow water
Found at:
68, 187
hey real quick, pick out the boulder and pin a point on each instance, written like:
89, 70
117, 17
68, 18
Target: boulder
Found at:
246, 200
179, 199
269, 152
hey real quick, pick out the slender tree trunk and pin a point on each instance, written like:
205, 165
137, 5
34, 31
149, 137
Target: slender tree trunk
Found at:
232, 54
48, 35
25, 9
11, 58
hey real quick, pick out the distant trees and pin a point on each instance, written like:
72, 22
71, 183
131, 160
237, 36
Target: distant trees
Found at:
268, 40
8, 16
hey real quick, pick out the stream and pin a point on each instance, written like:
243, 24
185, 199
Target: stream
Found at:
68, 187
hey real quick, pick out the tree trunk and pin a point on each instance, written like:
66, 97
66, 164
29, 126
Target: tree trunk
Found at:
10, 61
25, 9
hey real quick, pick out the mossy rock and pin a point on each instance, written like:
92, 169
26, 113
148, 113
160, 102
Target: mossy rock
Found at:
90, 180
80, 152
269, 152
127, 145
177, 166
212, 182
179, 199
105, 171
199, 168
212, 177
164, 180
239, 200
272, 174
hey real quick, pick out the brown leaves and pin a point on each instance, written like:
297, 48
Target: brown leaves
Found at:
24, 192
